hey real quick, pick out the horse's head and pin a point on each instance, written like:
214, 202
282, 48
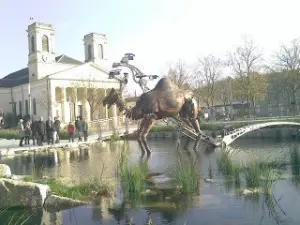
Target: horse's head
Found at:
111, 98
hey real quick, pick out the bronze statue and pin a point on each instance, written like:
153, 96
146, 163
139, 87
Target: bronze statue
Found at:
165, 100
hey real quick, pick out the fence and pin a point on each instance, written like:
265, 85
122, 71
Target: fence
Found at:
114, 125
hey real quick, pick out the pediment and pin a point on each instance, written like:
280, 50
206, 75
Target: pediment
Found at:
81, 72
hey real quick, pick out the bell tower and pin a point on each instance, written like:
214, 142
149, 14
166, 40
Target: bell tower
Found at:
41, 43
95, 47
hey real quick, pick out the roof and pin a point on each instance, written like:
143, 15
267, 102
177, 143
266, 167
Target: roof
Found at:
22, 76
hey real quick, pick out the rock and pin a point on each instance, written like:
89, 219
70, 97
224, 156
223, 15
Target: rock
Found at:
22, 194
57, 203
251, 192
207, 180
4, 170
17, 177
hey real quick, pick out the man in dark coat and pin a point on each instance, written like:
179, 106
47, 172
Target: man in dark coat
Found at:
41, 129
50, 130
34, 129
85, 128
78, 128
56, 128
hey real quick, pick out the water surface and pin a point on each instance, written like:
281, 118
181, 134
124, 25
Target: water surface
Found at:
217, 203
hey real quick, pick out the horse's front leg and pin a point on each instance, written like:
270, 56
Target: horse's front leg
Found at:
149, 122
140, 133
196, 126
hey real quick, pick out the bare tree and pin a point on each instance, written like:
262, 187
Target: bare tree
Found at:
179, 74
91, 93
44, 100
209, 70
246, 62
287, 61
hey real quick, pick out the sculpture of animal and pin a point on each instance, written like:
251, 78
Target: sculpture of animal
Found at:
165, 100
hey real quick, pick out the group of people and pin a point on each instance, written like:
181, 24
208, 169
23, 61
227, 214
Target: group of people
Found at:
80, 128
40, 131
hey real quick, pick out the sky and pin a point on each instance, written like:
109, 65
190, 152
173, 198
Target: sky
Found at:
157, 31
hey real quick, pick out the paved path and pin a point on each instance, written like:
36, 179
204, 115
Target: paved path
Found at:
11, 147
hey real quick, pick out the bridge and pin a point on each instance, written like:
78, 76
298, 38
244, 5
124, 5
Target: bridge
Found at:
230, 136
235, 134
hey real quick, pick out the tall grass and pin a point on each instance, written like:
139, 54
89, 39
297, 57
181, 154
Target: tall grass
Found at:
186, 176
18, 218
252, 175
132, 177
295, 164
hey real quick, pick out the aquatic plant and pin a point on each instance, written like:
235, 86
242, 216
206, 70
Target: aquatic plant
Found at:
252, 175
20, 217
295, 164
133, 177
82, 190
186, 176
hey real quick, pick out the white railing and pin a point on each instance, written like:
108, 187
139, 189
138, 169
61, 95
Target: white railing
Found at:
109, 126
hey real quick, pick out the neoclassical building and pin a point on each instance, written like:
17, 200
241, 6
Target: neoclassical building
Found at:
60, 85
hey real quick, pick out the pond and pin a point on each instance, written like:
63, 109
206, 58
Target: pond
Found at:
218, 202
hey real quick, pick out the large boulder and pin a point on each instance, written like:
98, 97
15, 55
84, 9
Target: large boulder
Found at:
22, 194
54, 203
4, 170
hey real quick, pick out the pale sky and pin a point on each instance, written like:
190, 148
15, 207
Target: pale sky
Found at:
157, 31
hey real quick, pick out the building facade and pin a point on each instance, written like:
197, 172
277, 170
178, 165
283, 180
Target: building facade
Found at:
54, 85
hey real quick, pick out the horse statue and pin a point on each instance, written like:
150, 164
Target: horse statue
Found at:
165, 100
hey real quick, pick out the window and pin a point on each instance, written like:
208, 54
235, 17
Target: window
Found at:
33, 75
89, 52
20, 108
32, 44
100, 51
26, 107
45, 43
34, 106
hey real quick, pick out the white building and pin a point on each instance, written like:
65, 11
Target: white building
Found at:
54, 85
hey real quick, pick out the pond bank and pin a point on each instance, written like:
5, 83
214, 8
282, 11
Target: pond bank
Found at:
48, 193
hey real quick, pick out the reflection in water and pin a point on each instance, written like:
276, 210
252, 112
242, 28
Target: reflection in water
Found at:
217, 203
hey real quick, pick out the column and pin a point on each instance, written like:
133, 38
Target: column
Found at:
64, 114
74, 98
106, 109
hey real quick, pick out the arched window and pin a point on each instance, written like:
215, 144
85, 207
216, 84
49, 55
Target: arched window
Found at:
20, 108
89, 52
100, 51
45, 43
32, 44
34, 106
26, 107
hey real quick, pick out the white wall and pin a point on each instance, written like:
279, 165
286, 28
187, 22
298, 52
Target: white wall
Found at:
5, 98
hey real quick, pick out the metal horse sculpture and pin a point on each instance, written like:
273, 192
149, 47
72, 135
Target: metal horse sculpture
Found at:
164, 101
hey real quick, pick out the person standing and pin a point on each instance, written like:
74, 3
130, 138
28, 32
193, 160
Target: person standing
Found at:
27, 131
21, 131
71, 130
84, 127
77, 127
41, 130
50, 131
34, 130
56, 130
